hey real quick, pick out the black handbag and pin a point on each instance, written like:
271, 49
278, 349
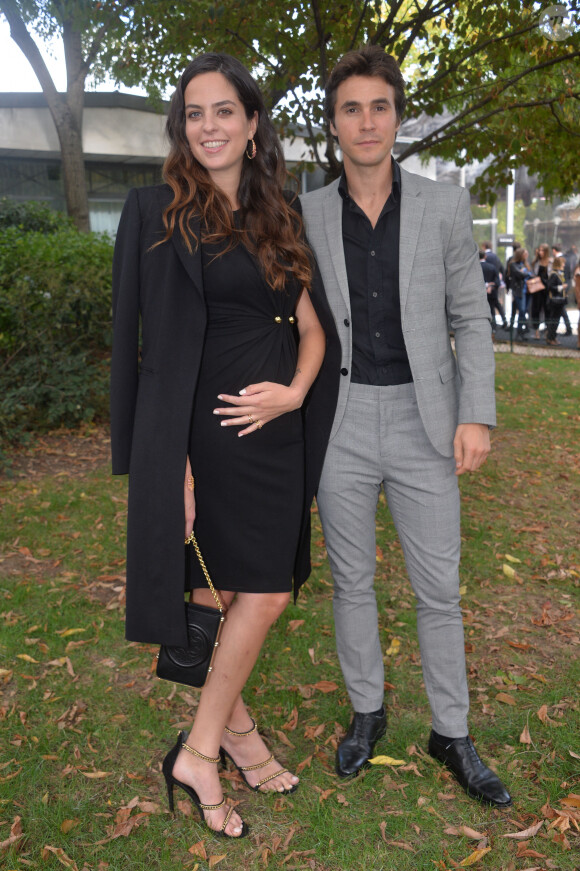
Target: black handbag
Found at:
192, 665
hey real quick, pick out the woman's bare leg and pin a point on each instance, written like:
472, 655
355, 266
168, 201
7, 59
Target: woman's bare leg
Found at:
248, 619
251, 749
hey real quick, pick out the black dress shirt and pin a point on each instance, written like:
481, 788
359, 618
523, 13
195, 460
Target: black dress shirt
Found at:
372, 265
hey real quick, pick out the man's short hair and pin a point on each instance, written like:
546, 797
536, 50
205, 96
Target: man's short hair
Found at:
371, 60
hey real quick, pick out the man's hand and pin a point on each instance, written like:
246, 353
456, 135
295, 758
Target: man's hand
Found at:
471, 446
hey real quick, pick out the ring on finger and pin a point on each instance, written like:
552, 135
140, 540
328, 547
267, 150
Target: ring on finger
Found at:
259, 424
251, 419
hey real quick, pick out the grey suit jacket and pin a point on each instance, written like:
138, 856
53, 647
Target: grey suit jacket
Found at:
440, 280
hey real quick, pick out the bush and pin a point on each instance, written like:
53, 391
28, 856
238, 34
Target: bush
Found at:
55, 328
31, 215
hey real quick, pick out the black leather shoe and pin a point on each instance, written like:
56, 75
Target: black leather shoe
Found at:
479, 781
357, 746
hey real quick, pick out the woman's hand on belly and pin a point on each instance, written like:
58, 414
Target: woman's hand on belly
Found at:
258, 404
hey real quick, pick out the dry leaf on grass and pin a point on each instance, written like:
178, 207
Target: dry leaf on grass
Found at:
386, 760
198, 849
527, 833
213, 860
525, 737
60, 855
464, 831
505, 698
325, 686
14, 837
474, 857
68, 825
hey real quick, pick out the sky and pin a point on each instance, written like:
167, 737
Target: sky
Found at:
16, 74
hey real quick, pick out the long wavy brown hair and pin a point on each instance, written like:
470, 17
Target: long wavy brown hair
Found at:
270, 228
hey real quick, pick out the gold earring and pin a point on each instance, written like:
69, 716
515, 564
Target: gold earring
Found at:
254, 150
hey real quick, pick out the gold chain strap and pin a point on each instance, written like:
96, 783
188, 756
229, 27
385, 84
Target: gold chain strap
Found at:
192, 540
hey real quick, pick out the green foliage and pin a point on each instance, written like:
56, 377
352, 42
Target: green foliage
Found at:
30, 215
55, 328
483, 72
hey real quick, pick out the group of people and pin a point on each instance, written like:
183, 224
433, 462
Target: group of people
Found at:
539, 289
267, 348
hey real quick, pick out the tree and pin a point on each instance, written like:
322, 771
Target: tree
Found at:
491, 81
85, 26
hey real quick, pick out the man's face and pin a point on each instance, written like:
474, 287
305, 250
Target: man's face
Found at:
365, 120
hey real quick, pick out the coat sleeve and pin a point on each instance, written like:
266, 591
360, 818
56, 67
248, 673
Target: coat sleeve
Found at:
469, 318
125, 357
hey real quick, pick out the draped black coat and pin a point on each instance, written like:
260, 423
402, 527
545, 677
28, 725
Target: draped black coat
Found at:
159, 322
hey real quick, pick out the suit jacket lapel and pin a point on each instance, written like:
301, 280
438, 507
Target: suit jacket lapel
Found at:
190, 261
332, 218
412, 208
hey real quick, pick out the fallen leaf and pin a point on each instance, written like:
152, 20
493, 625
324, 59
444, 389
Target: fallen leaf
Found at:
213, 860
512, 559
324, 795
509, 573
506, 699
68, 825
402, 845
571, 800
386, 760
284, 738
341, 799
325, 686
60, 855
525, 737
14, 837
474, 857
527, 833
292, 722
293, 625
306, 763
393, 647
25, 657
464, 831
95, 775
198, 849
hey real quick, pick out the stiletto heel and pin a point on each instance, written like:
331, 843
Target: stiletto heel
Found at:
243, 768
171, 782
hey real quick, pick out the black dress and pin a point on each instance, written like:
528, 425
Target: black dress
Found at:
249, 490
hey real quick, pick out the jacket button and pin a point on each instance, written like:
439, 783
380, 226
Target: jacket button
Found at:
346, 322
278, 319
344, 371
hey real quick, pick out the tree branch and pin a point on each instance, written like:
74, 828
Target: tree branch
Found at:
24, 41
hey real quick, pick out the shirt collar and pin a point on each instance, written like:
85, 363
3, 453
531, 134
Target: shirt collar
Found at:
396, 189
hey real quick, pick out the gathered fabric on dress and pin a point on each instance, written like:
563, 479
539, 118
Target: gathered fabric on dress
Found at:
249, 490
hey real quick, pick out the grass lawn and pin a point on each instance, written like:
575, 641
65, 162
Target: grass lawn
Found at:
84, 723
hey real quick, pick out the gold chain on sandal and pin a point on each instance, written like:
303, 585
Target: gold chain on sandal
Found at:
212, 759
243, 734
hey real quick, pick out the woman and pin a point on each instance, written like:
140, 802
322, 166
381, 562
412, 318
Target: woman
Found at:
541, 268
557, 299
225, 420
519, 272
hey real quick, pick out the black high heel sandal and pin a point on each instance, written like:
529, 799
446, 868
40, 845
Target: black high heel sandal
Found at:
224, 755
172, 781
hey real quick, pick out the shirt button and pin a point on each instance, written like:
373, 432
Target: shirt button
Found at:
375, 294
372, 253
346, 322
344, 371
378, 335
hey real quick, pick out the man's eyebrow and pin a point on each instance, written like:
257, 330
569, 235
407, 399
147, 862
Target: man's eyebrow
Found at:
348, 104
213, 105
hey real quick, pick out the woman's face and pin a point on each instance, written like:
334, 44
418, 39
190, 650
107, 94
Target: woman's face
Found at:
217, 128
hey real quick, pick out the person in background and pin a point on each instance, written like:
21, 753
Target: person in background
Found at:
492, 280
557, 299
577, 295
519, 271
492, 257
540, 267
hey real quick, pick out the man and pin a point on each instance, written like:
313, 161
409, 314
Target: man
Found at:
397, 258
492, 278
492, 257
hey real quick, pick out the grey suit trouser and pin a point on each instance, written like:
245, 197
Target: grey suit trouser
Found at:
381, 440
